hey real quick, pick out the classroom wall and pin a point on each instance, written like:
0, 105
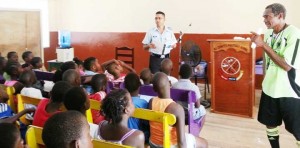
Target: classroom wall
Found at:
98, 26
207, 17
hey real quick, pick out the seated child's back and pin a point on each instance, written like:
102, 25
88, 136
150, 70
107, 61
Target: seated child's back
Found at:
164, 103
98, 84
28, 78
49, 107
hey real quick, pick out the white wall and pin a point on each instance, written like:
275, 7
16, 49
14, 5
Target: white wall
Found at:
206, 16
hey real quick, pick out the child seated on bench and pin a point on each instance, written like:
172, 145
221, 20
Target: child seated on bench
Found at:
98, 84
77, 99
13, 70
80, 65
133, 84
48, 107
10, 136
146, 76
72, 76
113, 69
28, 78
91, 66
185, 83
164, 103
167, 67
117, 107
27, 56
67, 130
6, 113
37, 64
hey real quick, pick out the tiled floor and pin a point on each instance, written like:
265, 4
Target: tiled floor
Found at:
223, 131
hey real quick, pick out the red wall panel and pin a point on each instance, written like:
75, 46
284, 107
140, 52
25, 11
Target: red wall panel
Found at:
102, 46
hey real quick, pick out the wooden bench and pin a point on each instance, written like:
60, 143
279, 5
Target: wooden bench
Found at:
195, 126
42, 75
35, 101
34, 139
165, 118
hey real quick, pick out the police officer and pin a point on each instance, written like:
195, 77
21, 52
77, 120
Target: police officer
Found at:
159, 41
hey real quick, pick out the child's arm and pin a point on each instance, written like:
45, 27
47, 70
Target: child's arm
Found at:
103, 65
126, 66
17, 116
178, 111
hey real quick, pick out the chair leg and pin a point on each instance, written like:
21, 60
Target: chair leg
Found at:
207, 83
205, 90
195, 80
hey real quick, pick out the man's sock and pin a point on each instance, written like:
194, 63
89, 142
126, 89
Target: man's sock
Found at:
273, 136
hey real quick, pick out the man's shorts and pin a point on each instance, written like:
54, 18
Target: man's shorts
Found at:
273, 110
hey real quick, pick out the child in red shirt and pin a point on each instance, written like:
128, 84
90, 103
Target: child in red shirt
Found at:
98, 84
48, 107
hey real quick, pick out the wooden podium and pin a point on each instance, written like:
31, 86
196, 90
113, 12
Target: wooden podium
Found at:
233, 64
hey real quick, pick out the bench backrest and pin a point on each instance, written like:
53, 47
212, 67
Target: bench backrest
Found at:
42, 75
195, 126
34, 139
165, 118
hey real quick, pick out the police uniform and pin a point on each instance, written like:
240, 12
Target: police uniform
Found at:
167, 39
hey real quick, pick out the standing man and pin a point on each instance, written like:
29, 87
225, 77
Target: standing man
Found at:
159, 41
280, 99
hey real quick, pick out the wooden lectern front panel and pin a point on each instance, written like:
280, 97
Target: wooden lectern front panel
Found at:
232, 77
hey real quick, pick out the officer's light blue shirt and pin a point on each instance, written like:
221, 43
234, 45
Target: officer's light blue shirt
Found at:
167, 38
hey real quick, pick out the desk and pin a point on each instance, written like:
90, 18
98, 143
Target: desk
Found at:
54, 65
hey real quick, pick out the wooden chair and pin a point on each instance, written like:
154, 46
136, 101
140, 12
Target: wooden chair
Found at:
34, 139
165, 118
126, 55
26, 100
195, 126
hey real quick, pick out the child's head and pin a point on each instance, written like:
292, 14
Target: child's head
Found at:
117, 105
132, 82
72, 76
78, 62
115, 69
68, 129
3, 63
59, 90
12, 56
77, 99
36, 62
10, 136
99, 82
91, 64
13, 68
166, 66
64, 67
28, 78
185, 71
146, 76
161, 83
27, 56
3, 96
